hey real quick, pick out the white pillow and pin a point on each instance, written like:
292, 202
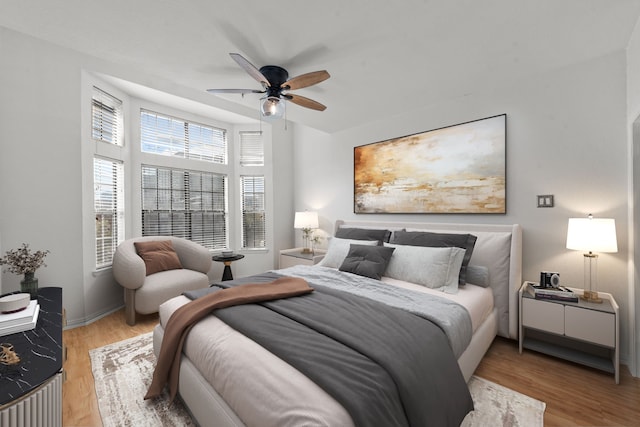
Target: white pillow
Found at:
435, 268
338, 250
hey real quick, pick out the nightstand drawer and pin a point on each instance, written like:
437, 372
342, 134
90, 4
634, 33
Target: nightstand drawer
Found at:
542, 315
590, 325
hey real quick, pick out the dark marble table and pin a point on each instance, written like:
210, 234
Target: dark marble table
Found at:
40, 350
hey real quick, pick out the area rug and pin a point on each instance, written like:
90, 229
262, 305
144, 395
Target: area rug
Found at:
122, 372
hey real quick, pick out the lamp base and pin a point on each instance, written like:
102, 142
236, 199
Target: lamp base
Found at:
306, 251
591, 296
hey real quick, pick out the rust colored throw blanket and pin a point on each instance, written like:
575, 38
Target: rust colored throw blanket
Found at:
180, 323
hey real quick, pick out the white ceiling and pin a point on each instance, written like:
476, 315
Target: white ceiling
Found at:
384, 57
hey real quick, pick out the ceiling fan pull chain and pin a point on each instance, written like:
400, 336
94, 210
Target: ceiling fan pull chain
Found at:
260, 116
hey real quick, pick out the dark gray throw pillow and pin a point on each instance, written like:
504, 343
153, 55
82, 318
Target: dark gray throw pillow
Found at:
364, 234
367, 261
439, 240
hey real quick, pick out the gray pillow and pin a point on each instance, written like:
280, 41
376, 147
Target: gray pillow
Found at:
478, 275
439, 240
367, 261
364, 234
338, 250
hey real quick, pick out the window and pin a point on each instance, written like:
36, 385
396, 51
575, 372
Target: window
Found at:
253, 212
183, 203
108, 180
108, 176
106, 118
251, 149
170, 136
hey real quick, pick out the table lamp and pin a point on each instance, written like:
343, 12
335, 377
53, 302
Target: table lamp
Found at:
591, 235
306, 221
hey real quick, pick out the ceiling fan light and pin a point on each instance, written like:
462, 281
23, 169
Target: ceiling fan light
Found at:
272, 107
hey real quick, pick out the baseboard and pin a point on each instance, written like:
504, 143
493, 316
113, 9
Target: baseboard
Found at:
76, 323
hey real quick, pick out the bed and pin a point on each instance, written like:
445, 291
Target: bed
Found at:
227, 379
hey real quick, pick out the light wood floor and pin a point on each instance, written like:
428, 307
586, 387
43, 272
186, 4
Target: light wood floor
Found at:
575, 395
79, 404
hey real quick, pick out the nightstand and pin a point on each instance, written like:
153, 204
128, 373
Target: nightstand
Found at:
582, 332
291, 257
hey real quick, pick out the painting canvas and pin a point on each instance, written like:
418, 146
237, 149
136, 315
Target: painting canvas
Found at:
456, 169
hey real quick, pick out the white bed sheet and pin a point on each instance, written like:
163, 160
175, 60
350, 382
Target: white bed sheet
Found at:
234, 365
477, 300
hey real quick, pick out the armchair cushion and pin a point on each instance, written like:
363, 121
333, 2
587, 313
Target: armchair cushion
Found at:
165, 285
158, 255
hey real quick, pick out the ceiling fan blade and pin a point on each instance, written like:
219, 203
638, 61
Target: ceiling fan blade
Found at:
243, 91
305, 102
305, 80
250, 68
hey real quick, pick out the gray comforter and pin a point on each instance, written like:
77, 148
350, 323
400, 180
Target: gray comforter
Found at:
453, 318
386, 366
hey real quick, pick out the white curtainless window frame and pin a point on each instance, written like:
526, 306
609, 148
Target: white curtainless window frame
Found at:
108, 181
251, 148
106, 118
254, 224
107, 130
185, 203
165, 135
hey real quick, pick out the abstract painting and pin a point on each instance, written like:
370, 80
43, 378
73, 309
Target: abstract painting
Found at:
455, 169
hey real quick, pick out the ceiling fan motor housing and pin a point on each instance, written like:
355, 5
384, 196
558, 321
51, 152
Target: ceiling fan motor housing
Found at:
276, 76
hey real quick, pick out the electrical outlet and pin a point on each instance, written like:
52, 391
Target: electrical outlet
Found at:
545, 201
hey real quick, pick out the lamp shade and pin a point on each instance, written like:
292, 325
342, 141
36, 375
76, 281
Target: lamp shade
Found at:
272, 107
306, 220
592, 234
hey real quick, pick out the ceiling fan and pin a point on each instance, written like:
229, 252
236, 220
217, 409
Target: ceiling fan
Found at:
276, 84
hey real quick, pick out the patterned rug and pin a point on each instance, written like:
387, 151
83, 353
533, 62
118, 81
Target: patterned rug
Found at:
123, 370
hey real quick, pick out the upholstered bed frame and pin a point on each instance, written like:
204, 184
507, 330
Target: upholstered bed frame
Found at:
498, 247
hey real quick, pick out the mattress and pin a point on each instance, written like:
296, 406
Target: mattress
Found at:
235, 366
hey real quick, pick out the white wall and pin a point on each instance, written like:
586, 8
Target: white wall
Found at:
566, 135
40, 169
633, 132
41, 174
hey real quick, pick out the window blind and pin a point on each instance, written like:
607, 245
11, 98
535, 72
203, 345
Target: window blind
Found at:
106, 118
251, 148
187, 204
108, 181
171, 136
253, 212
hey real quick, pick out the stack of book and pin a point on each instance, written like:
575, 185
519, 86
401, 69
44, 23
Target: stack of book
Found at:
20, 321
560, 293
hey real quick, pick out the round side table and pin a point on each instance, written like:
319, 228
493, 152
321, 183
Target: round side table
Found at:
227, 260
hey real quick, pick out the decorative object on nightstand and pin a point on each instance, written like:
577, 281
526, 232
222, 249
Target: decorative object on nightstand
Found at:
23, 261
306, 221
591, 235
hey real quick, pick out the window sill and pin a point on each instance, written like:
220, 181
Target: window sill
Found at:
101, 272
245, 251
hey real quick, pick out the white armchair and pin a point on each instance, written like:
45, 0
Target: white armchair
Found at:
143, 294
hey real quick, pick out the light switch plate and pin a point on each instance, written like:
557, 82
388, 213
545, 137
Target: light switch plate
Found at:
545, 200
